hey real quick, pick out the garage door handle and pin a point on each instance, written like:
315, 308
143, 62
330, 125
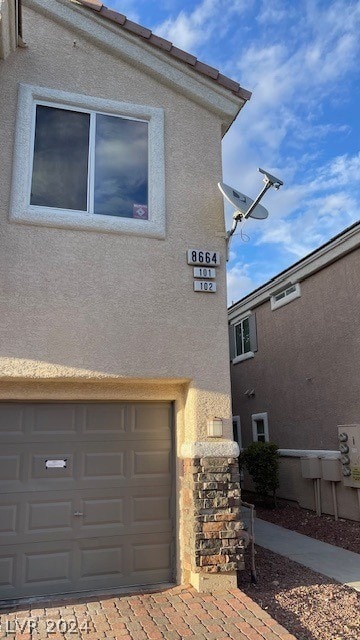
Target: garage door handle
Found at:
78, 513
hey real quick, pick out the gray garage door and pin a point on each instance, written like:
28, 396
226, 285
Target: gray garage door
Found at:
86, 497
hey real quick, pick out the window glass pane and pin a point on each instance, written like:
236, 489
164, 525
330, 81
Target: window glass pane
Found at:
290, 290
242, 337
121, 167
260, 427
238, 339
246, 335
60, 168
279, 296
261, 438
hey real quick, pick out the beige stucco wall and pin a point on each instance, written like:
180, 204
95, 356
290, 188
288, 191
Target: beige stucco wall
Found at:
82, 305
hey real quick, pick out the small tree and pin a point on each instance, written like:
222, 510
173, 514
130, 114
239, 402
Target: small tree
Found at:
262, 462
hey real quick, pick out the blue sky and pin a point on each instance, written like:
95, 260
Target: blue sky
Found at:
300, 58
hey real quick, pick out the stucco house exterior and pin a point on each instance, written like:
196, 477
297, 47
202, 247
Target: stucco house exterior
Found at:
295, 354
112, 365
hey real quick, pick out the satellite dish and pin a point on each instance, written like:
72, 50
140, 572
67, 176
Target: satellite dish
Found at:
241, 202
245, 207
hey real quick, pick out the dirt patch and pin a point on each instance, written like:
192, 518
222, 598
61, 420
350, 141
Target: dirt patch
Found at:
308, 605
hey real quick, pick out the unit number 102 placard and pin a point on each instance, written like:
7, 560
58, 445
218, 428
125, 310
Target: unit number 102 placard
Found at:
205, 285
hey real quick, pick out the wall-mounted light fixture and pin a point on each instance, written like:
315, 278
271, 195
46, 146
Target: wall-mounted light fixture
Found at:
215, 428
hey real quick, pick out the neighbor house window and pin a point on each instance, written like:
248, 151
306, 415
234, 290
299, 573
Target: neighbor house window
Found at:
237, 430
260, 427
88, 163
285, 295
243, 338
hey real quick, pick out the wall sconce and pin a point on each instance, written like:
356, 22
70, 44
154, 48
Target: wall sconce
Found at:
215, 428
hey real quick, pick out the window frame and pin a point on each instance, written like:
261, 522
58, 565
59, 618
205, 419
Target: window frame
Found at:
288, 297
254, 418
20, 209
253, 338
237, 431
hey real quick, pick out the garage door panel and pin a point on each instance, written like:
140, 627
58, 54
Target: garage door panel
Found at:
151, 556
143, 418
47, 567
88, 497
151, 509
10, 466
46, 419
7, 572
54, 515
105, 418
11, 420
103, 465
105, 561
8, 519
102, 514
151, 463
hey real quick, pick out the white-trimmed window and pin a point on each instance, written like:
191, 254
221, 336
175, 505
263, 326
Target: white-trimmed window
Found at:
88, 163
243, 338
284, 296
260, 427
237, 430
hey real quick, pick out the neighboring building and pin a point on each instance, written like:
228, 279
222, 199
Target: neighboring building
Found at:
295, 351
111, 365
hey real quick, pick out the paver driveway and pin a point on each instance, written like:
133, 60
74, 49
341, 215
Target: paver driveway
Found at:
170, 614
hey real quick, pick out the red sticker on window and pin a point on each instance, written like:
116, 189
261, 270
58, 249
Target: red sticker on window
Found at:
140, 211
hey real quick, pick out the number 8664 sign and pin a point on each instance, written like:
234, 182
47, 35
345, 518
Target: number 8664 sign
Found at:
200, 257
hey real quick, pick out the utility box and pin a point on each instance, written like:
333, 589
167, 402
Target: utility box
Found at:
310, 468
349, 445
331, 469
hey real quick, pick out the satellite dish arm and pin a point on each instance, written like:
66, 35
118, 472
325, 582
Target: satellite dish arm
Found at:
244, 216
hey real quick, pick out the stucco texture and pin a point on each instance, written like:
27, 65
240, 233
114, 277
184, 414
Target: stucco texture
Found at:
79, 305
306, 370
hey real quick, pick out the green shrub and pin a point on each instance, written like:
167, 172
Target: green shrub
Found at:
261, 459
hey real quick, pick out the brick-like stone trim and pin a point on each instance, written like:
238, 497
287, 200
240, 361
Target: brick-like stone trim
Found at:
214, 536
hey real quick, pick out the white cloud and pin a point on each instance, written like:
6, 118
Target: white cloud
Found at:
189, 30
239, 282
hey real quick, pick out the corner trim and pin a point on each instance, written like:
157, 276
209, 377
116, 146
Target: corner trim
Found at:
224, 449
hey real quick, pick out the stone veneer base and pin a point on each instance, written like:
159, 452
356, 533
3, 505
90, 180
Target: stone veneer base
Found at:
213, 532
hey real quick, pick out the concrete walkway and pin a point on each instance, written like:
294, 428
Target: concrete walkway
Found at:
331, 561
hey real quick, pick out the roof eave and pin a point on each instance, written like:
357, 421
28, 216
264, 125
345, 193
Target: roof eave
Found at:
333, 250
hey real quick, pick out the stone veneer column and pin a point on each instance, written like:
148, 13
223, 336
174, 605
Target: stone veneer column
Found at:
214, 536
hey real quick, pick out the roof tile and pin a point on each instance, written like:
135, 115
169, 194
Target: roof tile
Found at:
183, 55
160, 42
92, 4
137, 29
114, 16
228, 83
165, 45
207, 70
